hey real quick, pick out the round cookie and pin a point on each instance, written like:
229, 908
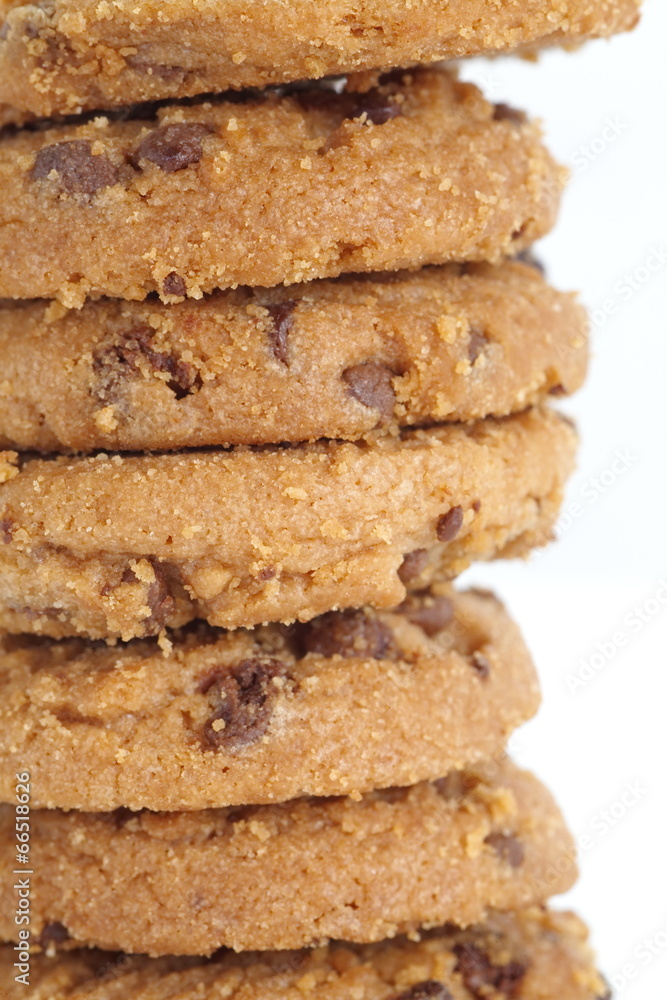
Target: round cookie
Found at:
533, 954
224, 719
278, 187
247, 366
296, 874
74, 54
123, 546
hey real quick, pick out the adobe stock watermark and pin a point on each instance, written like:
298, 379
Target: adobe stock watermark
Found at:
595, 488
599, 826
653, 946
22, 873
633, 622
587, 154
628, 285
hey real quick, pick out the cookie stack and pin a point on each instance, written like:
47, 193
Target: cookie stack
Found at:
276, 367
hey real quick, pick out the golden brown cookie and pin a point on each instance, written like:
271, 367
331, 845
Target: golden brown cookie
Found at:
532, 955
73, 54
278, 188
336, 359
123, 546
352, 701
300, 873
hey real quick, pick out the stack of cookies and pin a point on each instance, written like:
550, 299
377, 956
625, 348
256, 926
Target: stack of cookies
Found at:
276, 367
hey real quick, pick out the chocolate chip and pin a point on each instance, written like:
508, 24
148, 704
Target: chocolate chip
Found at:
476, 506
476, 345
371, 384
53, 933
456, 785
558, 390
173, 147
158, 598
507, 847
449, 524
431, 613
247, 696
112, 364
505, 112
520, 232
480, 976
347, 633
430, 989
7, 525
79, 172
413, 565
377, 108
174, 284
480, 663
142, 65
121, 816
282, 317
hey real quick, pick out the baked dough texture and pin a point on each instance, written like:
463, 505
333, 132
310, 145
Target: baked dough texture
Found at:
124, 546
279, 188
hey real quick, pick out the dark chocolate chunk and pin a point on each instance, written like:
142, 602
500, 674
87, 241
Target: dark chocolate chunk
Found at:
158, 598
508, 848
480, 976
52, 933
112, 365
173, 147
413, 565
430, 989
480, 663
7, 526
456, 785
371, 384
506, 113
430, 613
282, 317
449, 524
141, 64
246, 695
377, 107
78, 171
174, 284
347, 633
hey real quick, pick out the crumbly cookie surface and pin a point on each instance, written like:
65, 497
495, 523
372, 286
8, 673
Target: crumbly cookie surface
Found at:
285, 876
530, 955
248, 366
278, 188
123, 546
69, 54
352, 701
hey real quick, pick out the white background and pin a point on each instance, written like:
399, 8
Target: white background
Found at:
593, 739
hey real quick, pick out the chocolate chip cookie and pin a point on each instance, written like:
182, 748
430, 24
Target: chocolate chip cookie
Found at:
220, 719
532, 954
72, 54
247, 366
285, 876
278, 188
124, 546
